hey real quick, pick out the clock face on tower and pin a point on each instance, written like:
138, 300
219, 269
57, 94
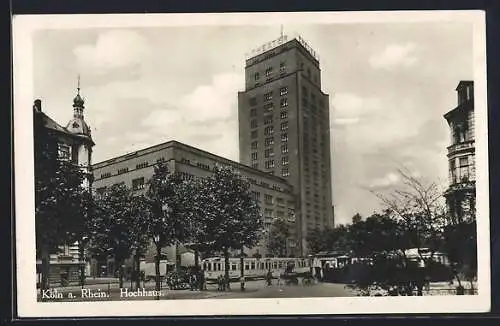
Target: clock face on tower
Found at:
75, 124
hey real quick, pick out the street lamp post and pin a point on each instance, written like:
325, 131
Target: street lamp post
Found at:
242, 269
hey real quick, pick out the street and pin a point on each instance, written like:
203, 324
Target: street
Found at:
253, 289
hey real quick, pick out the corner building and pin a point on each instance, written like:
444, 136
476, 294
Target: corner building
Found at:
274, 194
284, 129
461, 193
75, 144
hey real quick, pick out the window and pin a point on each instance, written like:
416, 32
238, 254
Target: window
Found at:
269, 152
254, 144
284, 126
284, 102
269, 71
253, 123
141, 165
254, 156
270, 164
255, 165
269, 141
284, 148
268, 120
463, 161
269, 130
284, 114
106, 175
282, 66
138, 184
309, 72
64, 152
161, 159
254, 134
252, 101
284, 137
253, 113
268, 96
283, 91
269, 200
284, 160
285, 172
268, 107
123, 170
203, 166
185, 161
101, 190
256, 195
256, 76
305, 92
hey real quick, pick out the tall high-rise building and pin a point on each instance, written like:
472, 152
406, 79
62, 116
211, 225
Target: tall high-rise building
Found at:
461, 193
284, 128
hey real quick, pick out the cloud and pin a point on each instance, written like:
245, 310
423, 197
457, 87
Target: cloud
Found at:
394, 55
210, 103
349, 108
112, 50
388, 180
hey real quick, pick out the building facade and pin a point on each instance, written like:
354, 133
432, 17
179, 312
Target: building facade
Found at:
74, 144
284, 128
461, 193
274, 194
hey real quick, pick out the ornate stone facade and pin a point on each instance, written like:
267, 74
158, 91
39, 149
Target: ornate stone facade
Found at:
461, 193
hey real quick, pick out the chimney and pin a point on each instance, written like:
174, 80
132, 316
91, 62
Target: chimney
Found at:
38, 105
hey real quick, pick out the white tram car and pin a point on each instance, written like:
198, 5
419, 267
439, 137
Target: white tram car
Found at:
253, 267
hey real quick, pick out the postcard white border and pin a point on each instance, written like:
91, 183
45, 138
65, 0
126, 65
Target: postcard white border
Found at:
24, 26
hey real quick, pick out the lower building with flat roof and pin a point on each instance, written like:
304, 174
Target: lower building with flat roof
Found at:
274, 194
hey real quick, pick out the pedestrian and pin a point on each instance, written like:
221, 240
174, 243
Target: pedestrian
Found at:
269, 278
279, 278
242, 283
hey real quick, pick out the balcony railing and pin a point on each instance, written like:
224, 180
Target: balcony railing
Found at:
461, 146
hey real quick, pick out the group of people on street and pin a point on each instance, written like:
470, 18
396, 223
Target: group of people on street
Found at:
197, 281
222, 283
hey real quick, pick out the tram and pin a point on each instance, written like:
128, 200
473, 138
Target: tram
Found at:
254, 268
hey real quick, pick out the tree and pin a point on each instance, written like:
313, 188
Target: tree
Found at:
356, 218
140, 211
58, 195
113, 229
278, 235
329, 239
460, 245
198, 200
417, 208
170, 199
82, 229
316, 241
232, 214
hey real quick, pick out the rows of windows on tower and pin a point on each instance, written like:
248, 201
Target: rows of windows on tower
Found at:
269, 73
269, 120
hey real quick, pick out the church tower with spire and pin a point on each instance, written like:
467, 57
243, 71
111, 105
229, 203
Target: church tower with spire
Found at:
83, 144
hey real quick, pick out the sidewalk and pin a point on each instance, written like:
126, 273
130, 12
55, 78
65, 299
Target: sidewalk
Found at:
114, 292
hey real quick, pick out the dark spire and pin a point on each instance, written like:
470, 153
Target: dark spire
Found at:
78, 102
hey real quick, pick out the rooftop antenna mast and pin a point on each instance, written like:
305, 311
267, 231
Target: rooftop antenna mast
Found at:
78, 87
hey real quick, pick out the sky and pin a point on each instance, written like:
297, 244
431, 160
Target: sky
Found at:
389, 86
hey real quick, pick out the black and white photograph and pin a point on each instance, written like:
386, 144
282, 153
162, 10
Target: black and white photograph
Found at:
257, 163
